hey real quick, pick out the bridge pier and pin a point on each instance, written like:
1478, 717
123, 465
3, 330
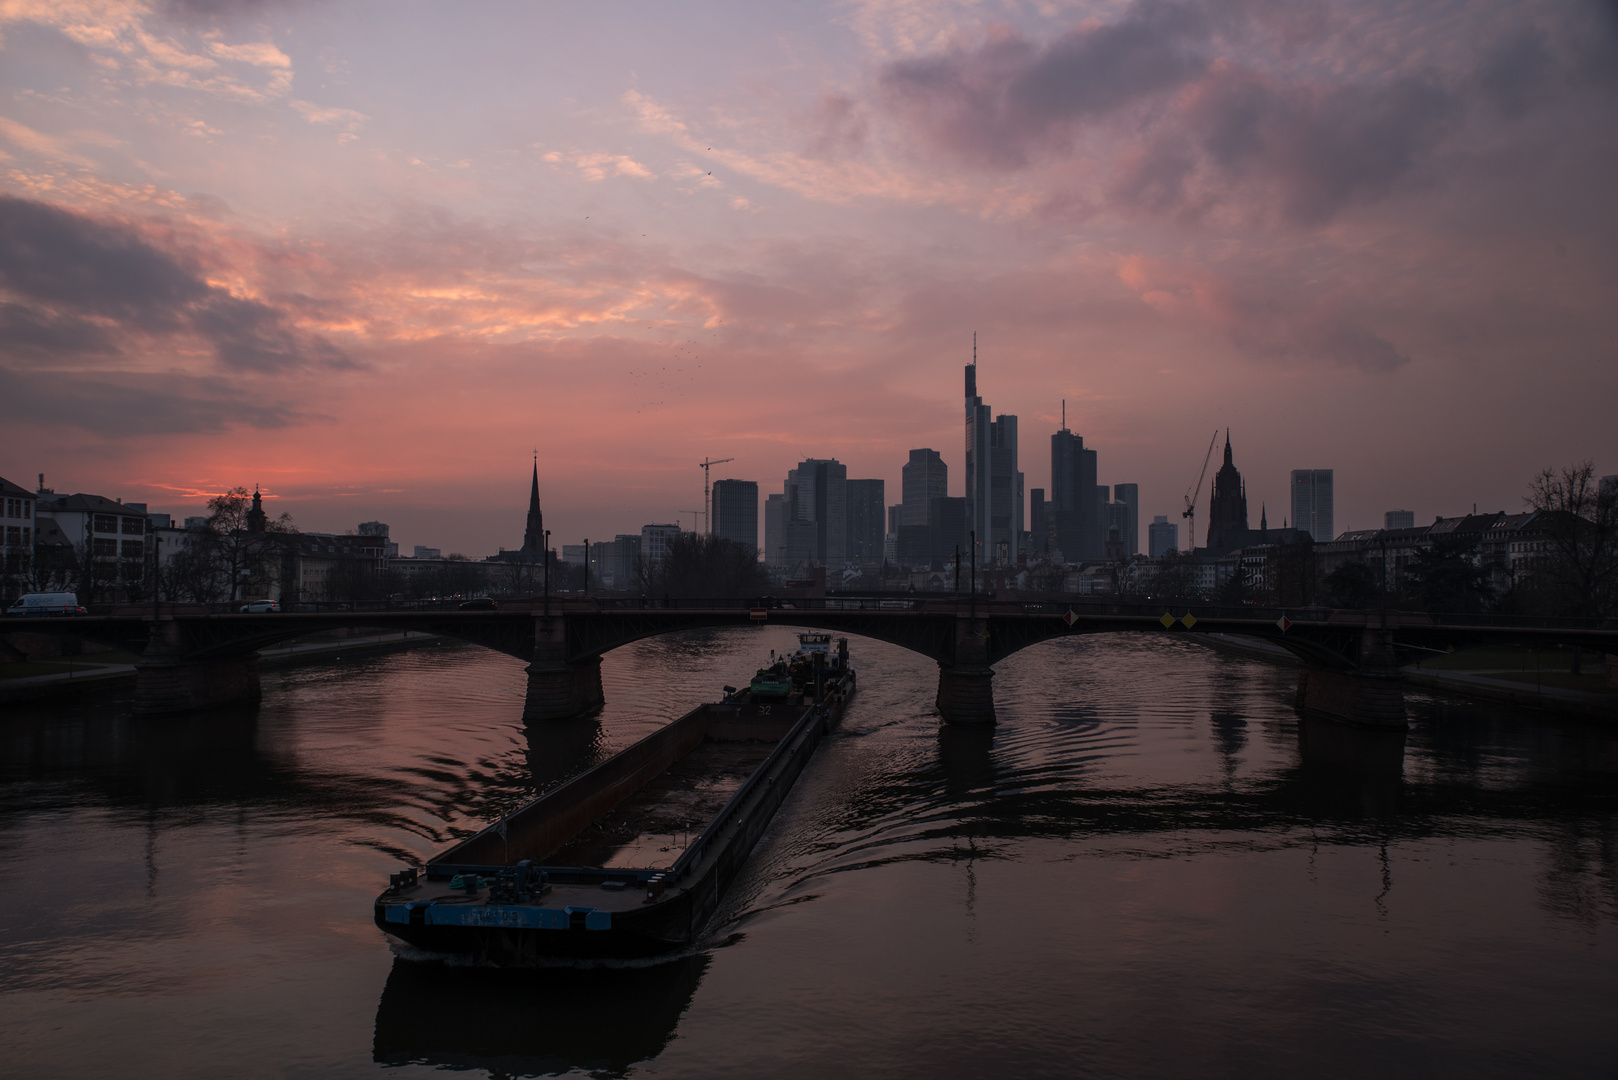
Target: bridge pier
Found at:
1371, 698
559, 688
1371, 695
966, 693
167, 682
966, 682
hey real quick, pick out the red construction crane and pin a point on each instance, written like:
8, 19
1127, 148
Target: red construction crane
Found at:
707, 488
1195, 493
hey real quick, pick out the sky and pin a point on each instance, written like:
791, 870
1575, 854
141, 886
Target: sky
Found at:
373, 257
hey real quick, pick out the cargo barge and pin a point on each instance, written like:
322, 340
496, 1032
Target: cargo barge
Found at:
632, 857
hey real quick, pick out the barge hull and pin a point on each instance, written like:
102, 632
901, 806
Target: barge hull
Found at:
648, 912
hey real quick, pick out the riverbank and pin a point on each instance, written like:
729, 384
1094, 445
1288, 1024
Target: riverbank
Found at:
77, 677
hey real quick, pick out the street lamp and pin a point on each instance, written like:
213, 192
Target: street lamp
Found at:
586, 566
547, 557
973, 584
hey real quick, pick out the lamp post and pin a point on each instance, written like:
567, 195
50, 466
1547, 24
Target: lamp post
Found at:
1383, 543
547, 556
974, 582
586, 566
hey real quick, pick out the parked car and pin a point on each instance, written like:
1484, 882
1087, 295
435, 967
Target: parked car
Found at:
257, 607
47, 603
480, 603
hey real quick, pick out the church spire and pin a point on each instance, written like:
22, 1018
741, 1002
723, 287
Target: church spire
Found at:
257, 520
1263, 518
1227, 447
533, 537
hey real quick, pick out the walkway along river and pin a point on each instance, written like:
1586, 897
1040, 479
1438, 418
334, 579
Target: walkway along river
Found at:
1147, 868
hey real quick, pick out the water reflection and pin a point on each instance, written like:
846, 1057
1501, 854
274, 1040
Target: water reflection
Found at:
966, 759
527, 1023
1346, 771
1148, 824
560, 750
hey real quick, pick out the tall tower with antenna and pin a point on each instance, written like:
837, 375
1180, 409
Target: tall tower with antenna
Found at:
994, 486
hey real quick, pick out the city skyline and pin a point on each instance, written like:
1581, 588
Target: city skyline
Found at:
312, 252
625, 516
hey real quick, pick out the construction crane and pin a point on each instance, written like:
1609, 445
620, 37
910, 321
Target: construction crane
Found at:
1193, 494
707, 488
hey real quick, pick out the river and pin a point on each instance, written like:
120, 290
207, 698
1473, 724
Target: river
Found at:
1147, 869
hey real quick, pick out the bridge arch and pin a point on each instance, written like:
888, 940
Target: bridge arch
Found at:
1349, 667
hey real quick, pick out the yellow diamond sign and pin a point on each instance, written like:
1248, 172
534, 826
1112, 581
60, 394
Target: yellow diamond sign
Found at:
1189, 621
1167, 620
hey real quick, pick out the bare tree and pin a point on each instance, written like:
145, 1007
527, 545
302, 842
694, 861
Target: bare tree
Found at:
192, 572
15, 573
1579, 569
1176, 578
699, 566
246, 556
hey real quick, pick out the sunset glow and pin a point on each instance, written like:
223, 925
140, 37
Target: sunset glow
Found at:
372, 256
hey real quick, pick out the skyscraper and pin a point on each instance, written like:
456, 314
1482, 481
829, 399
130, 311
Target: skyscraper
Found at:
1039, 528
993, 484
1227, 507
1126, 513
1399, 519
946, 531
925, 478
815, 513
865, 521
1312, 503
1163, 536
775, 552
735, 511
1076, 503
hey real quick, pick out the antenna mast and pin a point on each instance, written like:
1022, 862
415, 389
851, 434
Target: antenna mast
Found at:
707, 488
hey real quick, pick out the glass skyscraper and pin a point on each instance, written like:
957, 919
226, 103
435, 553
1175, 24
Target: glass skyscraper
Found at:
1312, 503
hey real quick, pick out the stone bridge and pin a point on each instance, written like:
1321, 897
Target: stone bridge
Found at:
192, 658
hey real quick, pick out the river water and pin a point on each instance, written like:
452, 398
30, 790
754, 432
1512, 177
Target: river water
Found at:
1148, 868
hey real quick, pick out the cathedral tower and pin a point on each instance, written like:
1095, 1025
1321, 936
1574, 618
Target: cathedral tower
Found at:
1227, 510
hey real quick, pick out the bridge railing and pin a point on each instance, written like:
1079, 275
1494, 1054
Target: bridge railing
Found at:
1085, 607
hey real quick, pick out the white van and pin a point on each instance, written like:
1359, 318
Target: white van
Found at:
46, 603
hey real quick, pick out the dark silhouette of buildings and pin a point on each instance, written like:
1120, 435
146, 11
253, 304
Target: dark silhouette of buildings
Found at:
866, 511
1077, 504
994, 486
1039, 524
1163, 536
1227, 508
925, 478
735, 511
1312, 503
1123, 513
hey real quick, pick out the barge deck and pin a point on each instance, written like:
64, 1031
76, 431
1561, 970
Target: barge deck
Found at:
630, 858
